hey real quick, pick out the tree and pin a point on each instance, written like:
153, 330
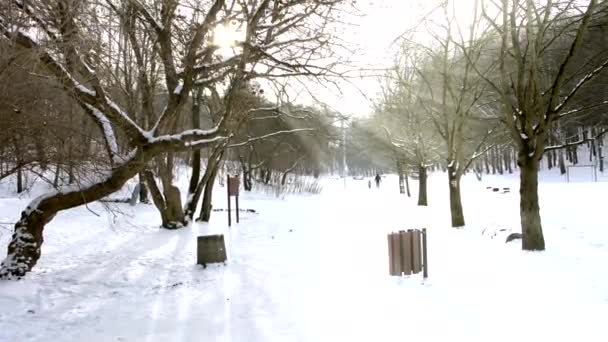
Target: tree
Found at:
454, 96
411, 135
81, 66
535, 93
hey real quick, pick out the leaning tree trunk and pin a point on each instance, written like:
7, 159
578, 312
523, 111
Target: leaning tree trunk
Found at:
455, 198
531, 227
407, 184
422, 193
192, 201
206, 207
26, 243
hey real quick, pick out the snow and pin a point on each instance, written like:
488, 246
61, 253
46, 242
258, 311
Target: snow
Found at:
125, 116
180, 136
83, 89
314, 268
108, 131
179, 87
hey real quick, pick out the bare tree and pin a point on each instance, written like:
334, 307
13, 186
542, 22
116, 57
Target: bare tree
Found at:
535, 93
274, 45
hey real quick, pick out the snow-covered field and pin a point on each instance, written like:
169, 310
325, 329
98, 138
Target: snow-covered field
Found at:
314, 268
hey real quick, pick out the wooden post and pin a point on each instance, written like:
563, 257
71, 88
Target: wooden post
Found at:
406, 257
397, 262
228, 192
237, 208
233, 190
415, 238
391, 256
425, 260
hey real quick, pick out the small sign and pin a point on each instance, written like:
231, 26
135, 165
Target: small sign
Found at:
233, 186
233, 190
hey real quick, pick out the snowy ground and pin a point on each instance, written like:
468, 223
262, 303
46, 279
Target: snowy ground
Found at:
314, 268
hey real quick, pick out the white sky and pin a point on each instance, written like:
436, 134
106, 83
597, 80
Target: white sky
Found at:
375, 34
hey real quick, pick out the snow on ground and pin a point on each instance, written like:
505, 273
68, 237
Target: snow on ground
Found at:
314, 268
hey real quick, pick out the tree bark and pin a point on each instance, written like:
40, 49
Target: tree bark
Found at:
168, 202
562, 163
192, 201
196, 154
206, 207
18, 161
600, 147
507, 158
455, 198
400, 173
422, 191
407, 184
532, 231
143, 190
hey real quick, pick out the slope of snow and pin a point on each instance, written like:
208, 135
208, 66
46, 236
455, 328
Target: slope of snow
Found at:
314, 268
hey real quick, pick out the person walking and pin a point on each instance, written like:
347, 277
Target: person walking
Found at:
378, 179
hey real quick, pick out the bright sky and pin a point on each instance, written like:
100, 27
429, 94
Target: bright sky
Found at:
375, 34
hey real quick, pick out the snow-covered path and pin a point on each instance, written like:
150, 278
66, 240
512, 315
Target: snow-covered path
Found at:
314, 268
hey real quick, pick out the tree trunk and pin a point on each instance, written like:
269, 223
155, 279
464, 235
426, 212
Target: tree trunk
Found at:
407, 184
493, 160
531, 228
562, 163
168, 203
71, 161
455, 199
143, 190
422, 193
507, 157
400, 173
267, 176
19, 180
600, 147
18, 161
206, 207
196, 154
499, 161
192, 201
26, 243
57, 175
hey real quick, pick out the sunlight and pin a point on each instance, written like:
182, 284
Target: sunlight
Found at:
227, 36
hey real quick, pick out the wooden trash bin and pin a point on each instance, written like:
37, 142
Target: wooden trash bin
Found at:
407, 252
210, 249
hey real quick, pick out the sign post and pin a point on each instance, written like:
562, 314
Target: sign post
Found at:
233, 190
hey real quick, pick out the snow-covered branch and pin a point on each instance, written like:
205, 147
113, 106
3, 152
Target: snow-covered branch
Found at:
578, 142
590, 76
269, 135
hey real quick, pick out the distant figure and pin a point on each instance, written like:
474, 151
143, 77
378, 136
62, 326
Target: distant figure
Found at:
378, 179
369, 184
